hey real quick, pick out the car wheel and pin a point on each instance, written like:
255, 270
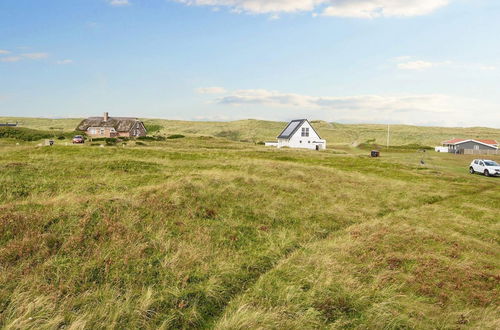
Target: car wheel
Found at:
486, 173
471, 170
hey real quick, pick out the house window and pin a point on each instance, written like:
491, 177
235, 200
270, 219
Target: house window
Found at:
476, 147
102, 131
300, 141
305, 131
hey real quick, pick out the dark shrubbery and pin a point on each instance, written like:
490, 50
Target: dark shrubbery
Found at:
151, 138
175, 136
110, 141
28, 134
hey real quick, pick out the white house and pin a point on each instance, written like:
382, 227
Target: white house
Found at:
299, 134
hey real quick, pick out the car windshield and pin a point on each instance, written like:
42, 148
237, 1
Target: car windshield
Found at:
491, 163
78, 137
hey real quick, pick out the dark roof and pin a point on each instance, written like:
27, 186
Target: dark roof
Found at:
292, 127
120, 124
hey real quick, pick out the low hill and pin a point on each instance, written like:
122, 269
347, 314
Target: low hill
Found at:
259, 130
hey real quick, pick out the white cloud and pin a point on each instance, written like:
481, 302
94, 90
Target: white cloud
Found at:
35, 56
423, 109
416, 65
21, 57
67, 61
428, 103
118, 3
211, 90
11, 59
487, 67
411, 63
259, 6
383, 8
4, 52
342, 8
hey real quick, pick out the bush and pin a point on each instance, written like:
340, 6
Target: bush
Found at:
110, 141
28, 134
151, 138
175, 136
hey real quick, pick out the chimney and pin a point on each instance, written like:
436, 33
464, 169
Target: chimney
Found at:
106, 116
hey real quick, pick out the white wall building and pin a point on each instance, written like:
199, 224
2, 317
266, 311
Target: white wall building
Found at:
300, 134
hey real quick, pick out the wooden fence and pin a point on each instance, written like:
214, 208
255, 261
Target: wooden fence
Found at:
480, 152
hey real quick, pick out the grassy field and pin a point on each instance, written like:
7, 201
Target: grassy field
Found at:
206, 232
259, 130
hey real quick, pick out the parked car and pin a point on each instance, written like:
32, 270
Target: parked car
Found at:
484, 166
78, 139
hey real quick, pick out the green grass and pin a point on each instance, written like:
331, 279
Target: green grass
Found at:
258, 130
205, 232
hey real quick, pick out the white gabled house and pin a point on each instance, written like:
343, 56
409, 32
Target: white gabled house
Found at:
299, 134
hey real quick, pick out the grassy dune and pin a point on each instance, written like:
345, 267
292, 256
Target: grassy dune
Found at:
259, 130
204, 232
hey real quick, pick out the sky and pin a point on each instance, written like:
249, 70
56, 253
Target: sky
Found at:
417, 62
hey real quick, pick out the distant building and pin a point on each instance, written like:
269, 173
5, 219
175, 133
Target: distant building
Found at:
299, 134
470, 146
8, 124
106, 126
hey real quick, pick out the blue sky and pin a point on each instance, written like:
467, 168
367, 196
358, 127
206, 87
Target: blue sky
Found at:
424, 62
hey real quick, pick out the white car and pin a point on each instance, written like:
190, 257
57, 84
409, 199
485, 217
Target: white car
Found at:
484, 166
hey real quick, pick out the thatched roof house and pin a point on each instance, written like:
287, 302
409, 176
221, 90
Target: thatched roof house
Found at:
112, 126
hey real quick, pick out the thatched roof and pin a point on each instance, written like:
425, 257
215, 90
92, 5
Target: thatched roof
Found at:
120, 124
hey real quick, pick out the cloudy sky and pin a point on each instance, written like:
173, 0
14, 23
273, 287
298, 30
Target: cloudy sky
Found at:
424, 62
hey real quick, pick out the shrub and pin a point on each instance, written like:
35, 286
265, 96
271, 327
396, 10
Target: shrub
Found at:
110, 141
28, 134
175, 136
151, 138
